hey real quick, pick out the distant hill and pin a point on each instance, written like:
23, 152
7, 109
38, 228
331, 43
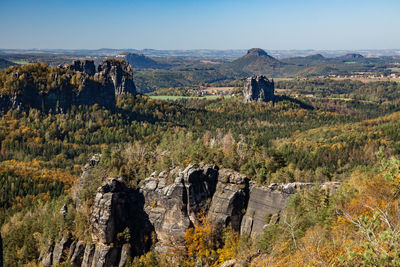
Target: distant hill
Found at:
256, 61
351, 57
140, 61
311, 60
5, 63
318, 70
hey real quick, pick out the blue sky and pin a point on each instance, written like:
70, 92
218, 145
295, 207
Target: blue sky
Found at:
190, 24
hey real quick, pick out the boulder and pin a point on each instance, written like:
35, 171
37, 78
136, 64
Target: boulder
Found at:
258, 88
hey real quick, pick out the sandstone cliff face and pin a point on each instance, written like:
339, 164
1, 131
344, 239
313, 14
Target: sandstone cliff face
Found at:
258, 88
119, 73
230, 199
112, 79
116, 209
173, 208
84, 66
167, 209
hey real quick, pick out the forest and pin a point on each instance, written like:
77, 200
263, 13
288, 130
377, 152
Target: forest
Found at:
355, 142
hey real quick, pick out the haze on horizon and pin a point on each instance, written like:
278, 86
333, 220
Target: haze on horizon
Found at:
207, 24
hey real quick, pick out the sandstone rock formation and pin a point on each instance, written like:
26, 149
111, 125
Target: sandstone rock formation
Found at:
230, 199
116, 209
258, 88
167, 204
119, 73
112, 79
84, 66
84, 180
109, 216
173, 208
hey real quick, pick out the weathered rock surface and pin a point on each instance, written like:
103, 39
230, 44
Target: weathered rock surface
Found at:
105, 255
173, 208
258, 88
85, 66
109, 215
88, 256
266, 203
78, 253
230, 199
59, 252
116, 209
119, 73
263, 202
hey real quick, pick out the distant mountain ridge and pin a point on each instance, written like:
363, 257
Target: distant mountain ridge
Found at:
206, 53
351, 56
140, 61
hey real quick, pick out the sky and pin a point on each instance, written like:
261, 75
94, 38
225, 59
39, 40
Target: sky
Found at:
200, 24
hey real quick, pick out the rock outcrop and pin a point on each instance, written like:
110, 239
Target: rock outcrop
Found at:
117, 210
258, 88
84, 180
266, 203
109, 215
84, 66
119, 74
123, 220
173, 208
230, 199
257, 52
112, 79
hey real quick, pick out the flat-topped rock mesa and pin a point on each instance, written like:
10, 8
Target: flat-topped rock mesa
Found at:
164, 206
58, 88
258, 88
